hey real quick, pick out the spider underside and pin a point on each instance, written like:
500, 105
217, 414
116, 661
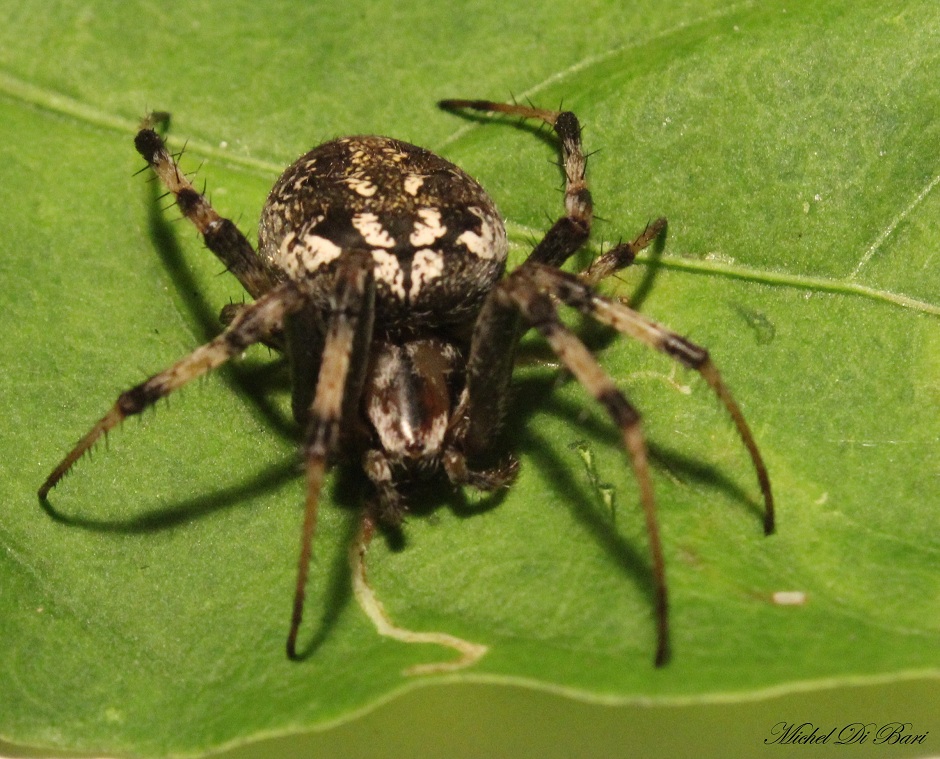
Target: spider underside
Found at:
380, 270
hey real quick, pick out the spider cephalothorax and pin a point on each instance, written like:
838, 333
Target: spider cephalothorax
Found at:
380, 271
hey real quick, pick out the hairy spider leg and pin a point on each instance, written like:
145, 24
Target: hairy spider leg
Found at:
574, 292
221, 235
250, 326
491, 361
498, 328
570, 231
339, 383
622, 255
539, 311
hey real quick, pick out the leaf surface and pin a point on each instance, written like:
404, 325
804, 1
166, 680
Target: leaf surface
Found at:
794, 150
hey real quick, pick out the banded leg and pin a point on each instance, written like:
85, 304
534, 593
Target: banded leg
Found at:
575, 293
622, 255
569, 232
221, 235
340, 378
537, 309
251, 325
497, 331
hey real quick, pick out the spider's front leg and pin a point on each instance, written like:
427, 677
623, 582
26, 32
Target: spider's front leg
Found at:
571, 231
252, 324
520, 291
498, 327
338, 389
221, 235
574, 292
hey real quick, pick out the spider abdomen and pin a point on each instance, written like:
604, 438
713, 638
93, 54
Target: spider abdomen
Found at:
435, 236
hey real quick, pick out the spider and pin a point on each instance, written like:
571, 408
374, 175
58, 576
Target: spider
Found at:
380, 272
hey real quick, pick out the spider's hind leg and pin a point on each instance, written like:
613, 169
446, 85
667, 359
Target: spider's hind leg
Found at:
339, 384
570, 231
221, 235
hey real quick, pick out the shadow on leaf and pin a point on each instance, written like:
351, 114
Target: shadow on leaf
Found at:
202, 506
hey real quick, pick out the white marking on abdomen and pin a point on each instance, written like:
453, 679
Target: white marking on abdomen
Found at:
372, 231
318, 251
413, 183
491, 242
427, 265
428, 228
361, 186
388, 272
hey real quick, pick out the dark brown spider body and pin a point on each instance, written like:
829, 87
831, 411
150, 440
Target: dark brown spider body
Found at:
380, 270
436, 240
437, 245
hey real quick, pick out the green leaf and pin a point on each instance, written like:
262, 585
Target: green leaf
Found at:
794, 150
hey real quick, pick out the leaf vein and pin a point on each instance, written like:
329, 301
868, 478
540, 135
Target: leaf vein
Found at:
522, 236
55, 102
889, 230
